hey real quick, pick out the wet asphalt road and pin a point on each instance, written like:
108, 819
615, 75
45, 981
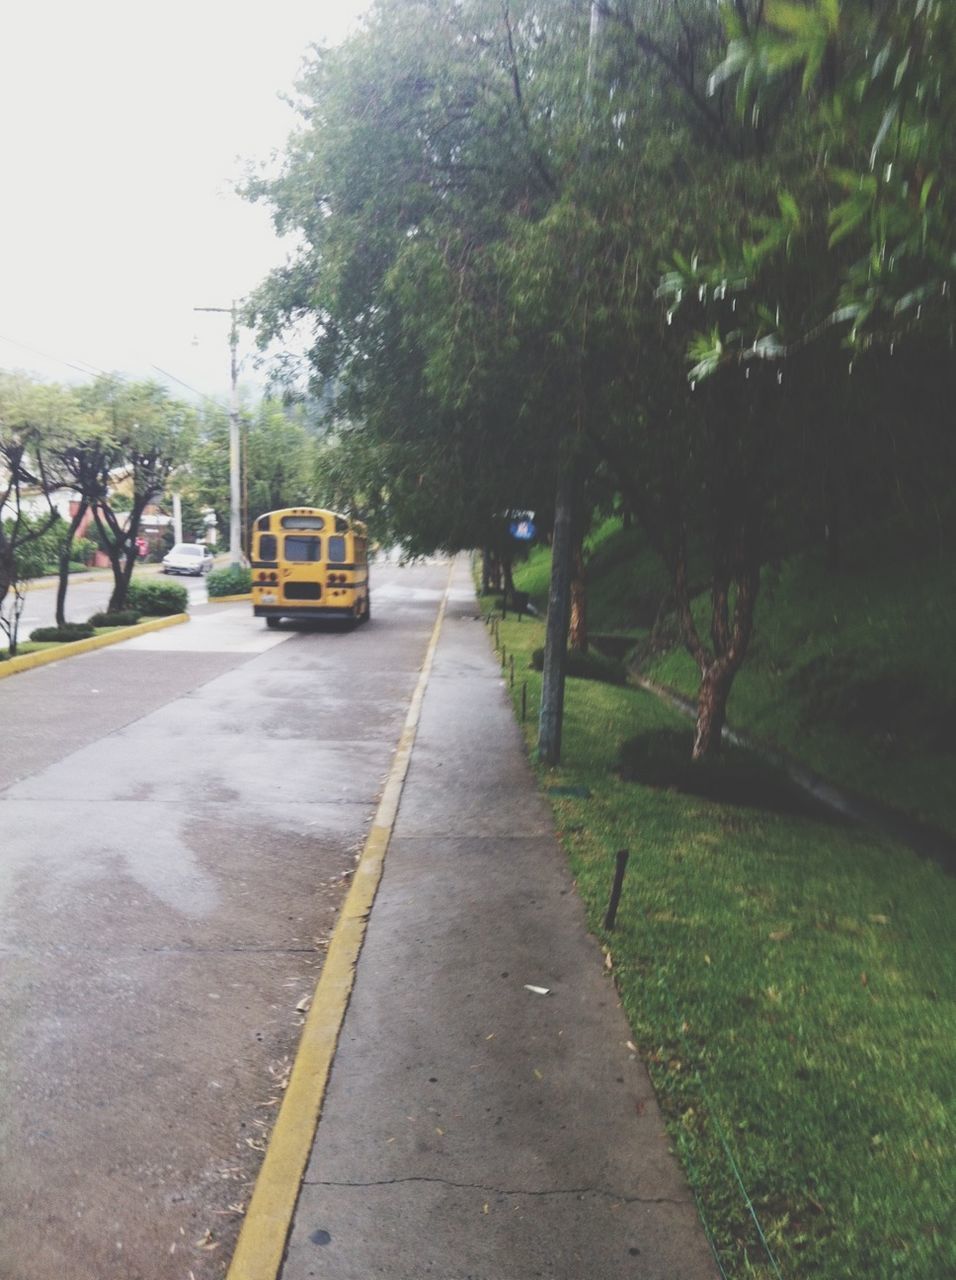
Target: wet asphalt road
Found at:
178, 819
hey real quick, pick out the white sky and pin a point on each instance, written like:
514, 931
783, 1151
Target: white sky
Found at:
123, 125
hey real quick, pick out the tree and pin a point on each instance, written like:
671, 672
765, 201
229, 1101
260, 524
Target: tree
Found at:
32, 416
153, 435
85, 460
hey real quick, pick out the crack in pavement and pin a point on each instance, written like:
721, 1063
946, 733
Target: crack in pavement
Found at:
502, 1191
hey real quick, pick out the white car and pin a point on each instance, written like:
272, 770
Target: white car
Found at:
188, 557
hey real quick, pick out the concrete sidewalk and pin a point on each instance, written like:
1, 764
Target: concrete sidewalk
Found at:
473, 1129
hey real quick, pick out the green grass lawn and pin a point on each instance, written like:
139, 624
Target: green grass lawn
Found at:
790, 981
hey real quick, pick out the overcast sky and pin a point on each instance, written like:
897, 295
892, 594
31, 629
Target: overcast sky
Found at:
124, 126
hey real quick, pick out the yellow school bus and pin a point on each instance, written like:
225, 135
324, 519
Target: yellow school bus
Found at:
309, 563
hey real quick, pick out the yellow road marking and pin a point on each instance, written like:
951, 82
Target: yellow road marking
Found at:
267, 1223
40, 659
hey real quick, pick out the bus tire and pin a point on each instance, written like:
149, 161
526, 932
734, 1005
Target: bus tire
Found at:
272, 623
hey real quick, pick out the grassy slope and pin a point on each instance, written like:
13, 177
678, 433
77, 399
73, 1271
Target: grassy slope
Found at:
791, 986
850, 674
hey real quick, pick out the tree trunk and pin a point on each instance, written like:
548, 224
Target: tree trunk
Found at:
485, 571
578, 635
551, 714
65, 563
712, 698
509, 582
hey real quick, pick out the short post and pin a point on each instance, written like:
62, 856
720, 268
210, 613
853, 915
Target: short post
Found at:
622, 856
512, 664
504, 657
524, 702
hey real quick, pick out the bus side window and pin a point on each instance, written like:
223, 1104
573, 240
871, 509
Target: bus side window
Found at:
336, 550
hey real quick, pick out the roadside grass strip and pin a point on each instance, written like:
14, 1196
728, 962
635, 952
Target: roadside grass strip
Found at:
791, 983
33, 654
265, 1229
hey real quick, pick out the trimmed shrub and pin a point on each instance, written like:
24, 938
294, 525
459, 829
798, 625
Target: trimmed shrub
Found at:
233, 581
121, 618
157, 599
63, 635
587, 666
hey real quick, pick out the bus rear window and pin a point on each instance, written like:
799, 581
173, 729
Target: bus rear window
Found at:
303, 550
336, 550
268, 547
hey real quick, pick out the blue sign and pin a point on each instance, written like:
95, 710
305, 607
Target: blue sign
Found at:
523, 530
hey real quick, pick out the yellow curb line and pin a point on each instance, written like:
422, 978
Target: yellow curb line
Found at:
265, 1230
228, 599
46, 656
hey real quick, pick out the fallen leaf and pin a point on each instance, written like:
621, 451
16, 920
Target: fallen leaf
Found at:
632, 1046
304, 1005
877, 919
779, 935
639, 1107
608, 961
484, 1208
538, 1075
538, 991
440, 1132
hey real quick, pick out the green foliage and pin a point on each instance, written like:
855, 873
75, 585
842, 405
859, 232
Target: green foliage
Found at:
232, 581
65, 634
119, 618
148, 597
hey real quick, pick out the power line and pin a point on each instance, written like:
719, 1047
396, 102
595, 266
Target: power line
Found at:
195, 390
25, 346
92, 370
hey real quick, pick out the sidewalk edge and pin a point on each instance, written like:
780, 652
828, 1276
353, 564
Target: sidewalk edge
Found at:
262, 1241
27, 661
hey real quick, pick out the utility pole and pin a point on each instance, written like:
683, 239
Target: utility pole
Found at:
567, 498
235, 501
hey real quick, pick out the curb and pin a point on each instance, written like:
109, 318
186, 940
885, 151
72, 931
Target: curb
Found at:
265, 1231
45, 656
228, 599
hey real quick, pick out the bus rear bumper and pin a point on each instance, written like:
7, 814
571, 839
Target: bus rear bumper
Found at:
292, 611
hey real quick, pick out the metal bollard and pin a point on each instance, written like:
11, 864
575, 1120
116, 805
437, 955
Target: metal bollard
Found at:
622, 856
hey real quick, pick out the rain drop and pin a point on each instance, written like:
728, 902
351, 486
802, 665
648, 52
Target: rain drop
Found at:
693, 384
779, 377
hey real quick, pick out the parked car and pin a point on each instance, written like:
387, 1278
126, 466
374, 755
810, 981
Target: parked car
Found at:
188, 557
